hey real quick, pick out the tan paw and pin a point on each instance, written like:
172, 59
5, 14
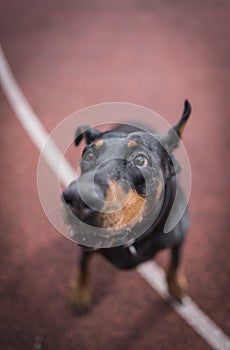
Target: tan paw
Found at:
177, 285
80, 298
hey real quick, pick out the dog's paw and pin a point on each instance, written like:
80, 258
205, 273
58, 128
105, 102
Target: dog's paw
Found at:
80, 298
177, 285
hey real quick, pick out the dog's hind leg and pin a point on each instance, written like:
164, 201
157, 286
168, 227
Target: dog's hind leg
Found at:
80, 288
177, 284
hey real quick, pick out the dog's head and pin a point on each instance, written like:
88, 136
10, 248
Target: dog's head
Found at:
123, 176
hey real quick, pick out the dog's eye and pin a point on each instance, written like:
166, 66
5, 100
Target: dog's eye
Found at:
140, 160
89, 156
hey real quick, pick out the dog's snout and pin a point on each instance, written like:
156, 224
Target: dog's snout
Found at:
75, 204
70, 197
83, 202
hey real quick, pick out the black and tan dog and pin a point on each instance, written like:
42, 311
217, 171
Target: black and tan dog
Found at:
128, 184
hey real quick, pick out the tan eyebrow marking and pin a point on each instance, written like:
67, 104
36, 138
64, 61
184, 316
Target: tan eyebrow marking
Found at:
99, 143
132, 143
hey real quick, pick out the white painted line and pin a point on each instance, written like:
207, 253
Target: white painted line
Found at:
151, 272
189, 311
31, 123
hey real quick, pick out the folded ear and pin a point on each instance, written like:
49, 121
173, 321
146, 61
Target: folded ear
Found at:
85, 131
171, 140
172, 167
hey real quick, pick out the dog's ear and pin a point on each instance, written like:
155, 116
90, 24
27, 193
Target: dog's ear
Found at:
171, 166
85, 131
171, 140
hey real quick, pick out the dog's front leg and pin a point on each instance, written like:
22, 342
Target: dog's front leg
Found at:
80, 287
177, 284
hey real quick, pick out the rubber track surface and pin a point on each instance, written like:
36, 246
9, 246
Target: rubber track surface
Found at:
70, 54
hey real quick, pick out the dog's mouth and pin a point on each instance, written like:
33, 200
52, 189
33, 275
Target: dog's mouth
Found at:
117, 208
111, 225
110, 233
102, 229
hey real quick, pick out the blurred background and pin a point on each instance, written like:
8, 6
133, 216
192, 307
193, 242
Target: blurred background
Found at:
67, 55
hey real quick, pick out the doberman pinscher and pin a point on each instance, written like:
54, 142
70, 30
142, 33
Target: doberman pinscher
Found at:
128, 183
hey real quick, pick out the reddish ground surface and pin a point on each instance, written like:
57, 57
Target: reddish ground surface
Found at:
70, 54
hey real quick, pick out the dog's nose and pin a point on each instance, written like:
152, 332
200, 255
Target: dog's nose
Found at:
74, 200
75, 204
